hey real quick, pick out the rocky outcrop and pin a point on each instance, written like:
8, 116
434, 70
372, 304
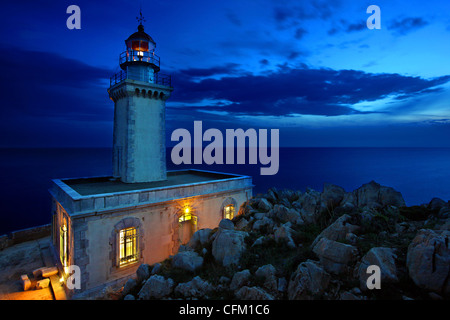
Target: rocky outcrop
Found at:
129, 286
332, 195
253, 293
196, 288
284, 234
226, 224
284, 214
199, 238
266, 252
156, 287
336, 257
428, 260
309, 205
309, 281
338, 230
143, 272
267, 273
372, 195
187, 260
384, 258
240, 279
264, 222
264, 205
228, 246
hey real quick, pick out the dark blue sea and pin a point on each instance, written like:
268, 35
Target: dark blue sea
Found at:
418, 173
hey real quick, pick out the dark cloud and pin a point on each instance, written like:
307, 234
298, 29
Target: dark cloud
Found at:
232, 17
300, 33
333, 31
406, 25
356, 27
295, 13
345, 26
264, 62
46, 92
229, 68
301, 91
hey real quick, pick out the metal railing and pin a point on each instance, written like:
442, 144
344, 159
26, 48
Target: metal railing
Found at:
157, 78
117, 78
145, 56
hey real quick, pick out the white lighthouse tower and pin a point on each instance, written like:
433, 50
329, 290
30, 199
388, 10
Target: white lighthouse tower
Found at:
139, 93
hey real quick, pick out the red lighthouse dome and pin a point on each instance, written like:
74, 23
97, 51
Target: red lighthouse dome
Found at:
140, 50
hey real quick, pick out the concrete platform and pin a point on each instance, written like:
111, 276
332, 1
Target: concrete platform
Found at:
93, 186
90, 196
23, 258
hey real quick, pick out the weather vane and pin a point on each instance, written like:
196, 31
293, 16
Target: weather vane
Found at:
140, 19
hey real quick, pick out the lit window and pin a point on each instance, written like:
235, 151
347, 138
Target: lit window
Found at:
228, 212
185, 217
128, 248
63, 245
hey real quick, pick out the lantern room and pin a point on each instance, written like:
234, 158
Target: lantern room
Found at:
140, 51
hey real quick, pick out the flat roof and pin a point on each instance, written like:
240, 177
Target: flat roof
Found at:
101, 185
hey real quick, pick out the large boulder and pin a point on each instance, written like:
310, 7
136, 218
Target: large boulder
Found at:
196, 288
428, 260
272, 195
240, 279
436, 204
264, 205
264, 222
332, 195
241, 224
390, 197
285, 214
367, 195
143, 272
226, 224
336, 257
200, 238
156, 287
338, 230
129, 286
187, 260
309, 281
284, 234
349, 200
384, 258
309, 205
267, 273
228, 246
373, 195
252, 293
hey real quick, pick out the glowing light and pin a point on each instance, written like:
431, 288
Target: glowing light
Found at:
187, 210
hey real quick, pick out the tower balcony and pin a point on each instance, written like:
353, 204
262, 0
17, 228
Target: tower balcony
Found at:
150, 77
139, 57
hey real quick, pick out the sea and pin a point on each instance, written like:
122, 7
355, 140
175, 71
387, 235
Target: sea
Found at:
420, 174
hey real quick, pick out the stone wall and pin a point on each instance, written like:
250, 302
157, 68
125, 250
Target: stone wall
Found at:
158, 224
24, 235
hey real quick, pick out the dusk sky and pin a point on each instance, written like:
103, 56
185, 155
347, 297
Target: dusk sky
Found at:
309, 68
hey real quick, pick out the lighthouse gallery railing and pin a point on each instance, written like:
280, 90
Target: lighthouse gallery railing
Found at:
157, 78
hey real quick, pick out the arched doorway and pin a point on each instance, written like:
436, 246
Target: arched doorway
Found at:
187, 225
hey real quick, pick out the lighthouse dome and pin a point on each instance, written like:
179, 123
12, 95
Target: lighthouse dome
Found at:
140, 41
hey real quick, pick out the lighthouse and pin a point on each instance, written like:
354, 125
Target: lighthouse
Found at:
139, 93
108, 226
